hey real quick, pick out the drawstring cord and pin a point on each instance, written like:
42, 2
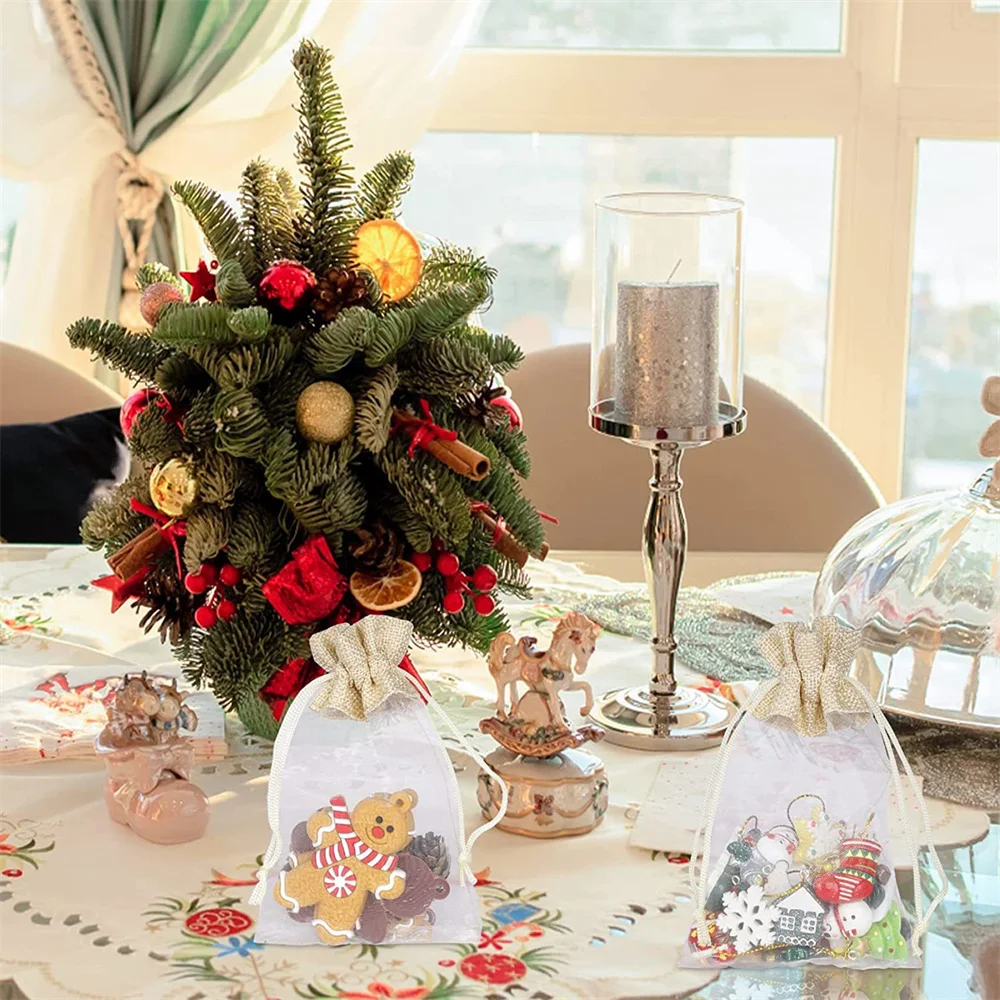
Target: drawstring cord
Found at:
465, 859
896, 755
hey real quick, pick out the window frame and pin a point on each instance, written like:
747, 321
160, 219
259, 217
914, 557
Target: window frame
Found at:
907, 70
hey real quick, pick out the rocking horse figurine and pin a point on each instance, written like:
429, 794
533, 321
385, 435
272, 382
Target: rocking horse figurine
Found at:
555, 789
535, 723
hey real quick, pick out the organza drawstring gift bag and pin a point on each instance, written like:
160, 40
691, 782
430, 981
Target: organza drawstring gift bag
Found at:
368, 838
796, 862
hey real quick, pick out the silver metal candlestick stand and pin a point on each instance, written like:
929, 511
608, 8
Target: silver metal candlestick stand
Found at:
664, 715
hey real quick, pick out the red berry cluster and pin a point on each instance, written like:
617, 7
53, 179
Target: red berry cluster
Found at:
213, 580
482, 580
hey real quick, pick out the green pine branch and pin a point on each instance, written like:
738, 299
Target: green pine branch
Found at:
293, 200
382, 189
206, 535
335, 345
219, 223
445, 367
188, 327
267, 218
324, 229
242, 424
154, 439
503, 354
135, 356
447, 265
373, 407
232, 287
155, 272
393, 331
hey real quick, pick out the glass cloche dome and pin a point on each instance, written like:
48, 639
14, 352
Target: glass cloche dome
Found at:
920, 578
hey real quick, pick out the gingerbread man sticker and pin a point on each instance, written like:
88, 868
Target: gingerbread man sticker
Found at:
354, 857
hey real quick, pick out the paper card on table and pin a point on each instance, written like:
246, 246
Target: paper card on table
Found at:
776, 599
51, 712
670, 815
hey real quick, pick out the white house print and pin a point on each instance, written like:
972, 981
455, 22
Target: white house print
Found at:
800, 918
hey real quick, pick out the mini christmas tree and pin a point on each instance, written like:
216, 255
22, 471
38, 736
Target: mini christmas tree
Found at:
321, 427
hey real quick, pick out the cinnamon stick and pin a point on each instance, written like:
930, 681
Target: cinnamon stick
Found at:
504, 542
457, 455
137, 553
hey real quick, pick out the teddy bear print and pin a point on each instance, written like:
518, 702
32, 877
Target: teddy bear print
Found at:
353, 857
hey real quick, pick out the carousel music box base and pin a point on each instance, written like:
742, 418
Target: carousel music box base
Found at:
560, 796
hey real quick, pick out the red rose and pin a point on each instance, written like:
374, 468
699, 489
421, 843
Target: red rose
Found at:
308, 588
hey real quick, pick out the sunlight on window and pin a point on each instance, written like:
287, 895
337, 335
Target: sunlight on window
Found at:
671, 25
526, 201
954, 312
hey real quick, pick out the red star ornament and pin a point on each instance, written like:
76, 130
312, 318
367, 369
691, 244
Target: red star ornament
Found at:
122, 590
202, 281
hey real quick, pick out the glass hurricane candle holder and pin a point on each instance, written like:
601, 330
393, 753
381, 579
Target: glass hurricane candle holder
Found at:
666, 374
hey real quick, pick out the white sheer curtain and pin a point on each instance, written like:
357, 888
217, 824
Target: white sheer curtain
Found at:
391, 59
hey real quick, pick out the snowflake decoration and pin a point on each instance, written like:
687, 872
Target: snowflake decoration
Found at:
748, 917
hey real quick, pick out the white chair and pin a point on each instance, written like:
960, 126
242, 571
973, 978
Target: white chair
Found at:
36, 389
785, 485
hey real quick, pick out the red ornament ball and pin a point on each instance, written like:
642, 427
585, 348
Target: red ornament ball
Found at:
229, 575
286, 283
209, 572
154, 297
226, 609
134, 405
422, 560
484, 578
513, 411
453, 602
448, 564
484, 604
195, 583
205, 617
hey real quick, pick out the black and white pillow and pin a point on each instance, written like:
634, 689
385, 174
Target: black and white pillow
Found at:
51, 474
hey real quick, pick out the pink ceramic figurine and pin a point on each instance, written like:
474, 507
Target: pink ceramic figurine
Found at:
149, 763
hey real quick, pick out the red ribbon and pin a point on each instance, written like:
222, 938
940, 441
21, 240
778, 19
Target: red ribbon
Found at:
424, 430
406, 665
478, 505
170, 528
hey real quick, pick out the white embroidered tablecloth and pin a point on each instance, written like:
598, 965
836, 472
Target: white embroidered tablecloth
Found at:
87, 909
90, 910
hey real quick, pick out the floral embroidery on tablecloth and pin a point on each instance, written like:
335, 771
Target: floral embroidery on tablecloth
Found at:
20, 846
213, 943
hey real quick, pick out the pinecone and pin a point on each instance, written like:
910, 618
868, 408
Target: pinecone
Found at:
377, 547
479, 406
432, 850
171, 607
338, 290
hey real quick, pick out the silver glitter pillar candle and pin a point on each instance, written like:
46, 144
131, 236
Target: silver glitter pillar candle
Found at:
667, 354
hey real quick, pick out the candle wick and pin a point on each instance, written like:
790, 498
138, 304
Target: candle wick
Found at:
674, 271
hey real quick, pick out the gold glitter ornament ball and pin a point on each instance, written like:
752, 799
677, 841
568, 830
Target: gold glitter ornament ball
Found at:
324, 412
173, 487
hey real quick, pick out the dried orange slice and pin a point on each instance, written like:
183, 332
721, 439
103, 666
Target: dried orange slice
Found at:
383, 593
392, 254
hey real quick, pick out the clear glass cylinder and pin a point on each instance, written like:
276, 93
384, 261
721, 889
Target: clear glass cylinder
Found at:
667, 353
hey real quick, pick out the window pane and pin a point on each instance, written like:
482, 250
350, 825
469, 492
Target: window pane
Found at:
11, 202
954, 312
526, 201
672, 25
